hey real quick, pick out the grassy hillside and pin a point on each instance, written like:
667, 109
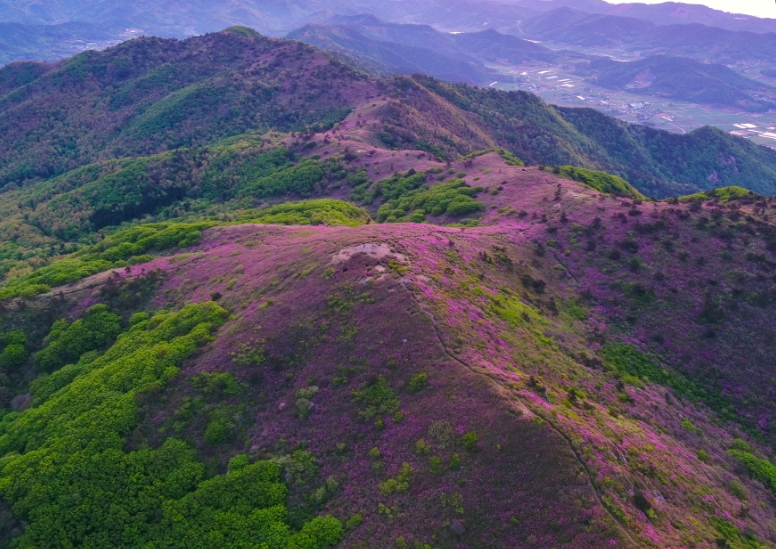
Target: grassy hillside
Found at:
658, 163
566, 372
151, 95
101, 106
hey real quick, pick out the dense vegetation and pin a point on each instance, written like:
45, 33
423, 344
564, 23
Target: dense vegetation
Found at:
67, 472
600, 181
189, 94
658, 163
152, 95
60, 215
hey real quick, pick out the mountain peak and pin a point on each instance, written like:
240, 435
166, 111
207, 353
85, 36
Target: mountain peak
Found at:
240, 30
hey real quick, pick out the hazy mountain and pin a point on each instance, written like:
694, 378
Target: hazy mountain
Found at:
708, 43
53, 42
391, 57
408, 49
697, 41
667, 13
569, 26
683, 79
180, 18
491, 45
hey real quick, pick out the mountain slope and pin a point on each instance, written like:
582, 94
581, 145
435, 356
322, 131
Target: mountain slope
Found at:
522, 370
392, 57
658, 163
683, 79
570, 26
194, 92
155, 95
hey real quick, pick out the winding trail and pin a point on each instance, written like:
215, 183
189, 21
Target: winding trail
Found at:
526, 408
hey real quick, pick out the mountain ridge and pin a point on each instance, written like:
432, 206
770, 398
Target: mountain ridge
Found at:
146, 115
369, 323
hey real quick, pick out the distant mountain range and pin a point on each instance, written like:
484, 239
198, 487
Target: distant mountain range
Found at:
465, 57
282, 16
409, 49
699, 41
666, 13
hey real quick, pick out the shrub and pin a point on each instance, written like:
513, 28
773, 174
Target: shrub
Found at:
417, 383
408, 196
760, 469
324, 211
249, 356
153, 496
304, 404
741, 445
217, 385
601, 181
218, 431
354, 521
379, 398
737, 489
511, 159
14, 353
421, 446
470, 441
399, 484
67, 342
435, 465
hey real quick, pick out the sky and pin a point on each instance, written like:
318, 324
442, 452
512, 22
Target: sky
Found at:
759, 8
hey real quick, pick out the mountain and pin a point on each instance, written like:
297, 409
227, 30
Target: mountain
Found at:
392, 57
683, 79
152, 95
712, 44
665, 13
326, 310
601, 23
570, 26
491, 45
410, 49
696, 41
277, 17
181, 18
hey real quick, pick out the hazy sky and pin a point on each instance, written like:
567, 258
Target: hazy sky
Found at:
760, 8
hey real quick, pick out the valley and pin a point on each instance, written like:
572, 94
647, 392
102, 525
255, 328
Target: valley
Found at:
560, 86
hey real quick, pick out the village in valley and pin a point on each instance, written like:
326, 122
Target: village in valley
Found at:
562, 85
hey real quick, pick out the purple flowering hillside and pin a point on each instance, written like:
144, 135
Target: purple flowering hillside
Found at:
382, 329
